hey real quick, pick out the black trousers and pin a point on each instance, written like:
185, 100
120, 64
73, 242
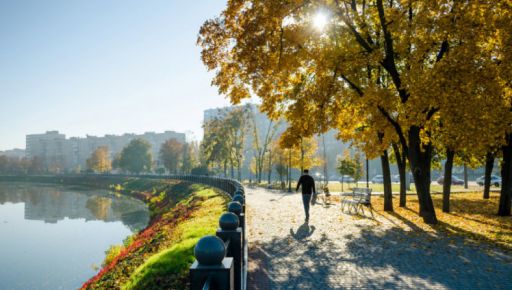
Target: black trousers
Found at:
306, 199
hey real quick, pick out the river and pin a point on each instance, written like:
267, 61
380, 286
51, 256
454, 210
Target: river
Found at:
55, 237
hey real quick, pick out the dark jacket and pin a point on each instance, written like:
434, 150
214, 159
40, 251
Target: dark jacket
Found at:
308, 184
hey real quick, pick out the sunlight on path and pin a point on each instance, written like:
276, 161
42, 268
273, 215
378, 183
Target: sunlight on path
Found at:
339, 251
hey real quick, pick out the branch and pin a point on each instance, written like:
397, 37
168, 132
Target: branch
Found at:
442, 51
395, 125
431, 113
389, 61
280, 47
358, 90
357, 35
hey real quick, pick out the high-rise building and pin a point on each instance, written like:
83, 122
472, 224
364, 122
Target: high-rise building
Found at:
50, 147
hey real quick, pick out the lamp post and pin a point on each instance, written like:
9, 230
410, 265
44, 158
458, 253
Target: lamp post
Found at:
269, 166
319, 177
367, 173
290, 170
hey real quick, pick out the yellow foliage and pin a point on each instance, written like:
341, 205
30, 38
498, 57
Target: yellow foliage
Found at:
100, 160
471, 217
443, 66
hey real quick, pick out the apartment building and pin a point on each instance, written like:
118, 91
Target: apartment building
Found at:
60, 154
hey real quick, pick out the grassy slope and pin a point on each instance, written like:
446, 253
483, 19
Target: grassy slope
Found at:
177, 258
159, 256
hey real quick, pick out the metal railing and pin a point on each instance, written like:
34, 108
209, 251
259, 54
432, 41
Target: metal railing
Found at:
221, 260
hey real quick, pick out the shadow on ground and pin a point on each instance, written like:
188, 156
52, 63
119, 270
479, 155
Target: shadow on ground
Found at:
374, 259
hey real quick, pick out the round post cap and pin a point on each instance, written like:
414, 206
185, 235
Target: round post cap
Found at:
210, 250
229, 221
239, 198
235, 207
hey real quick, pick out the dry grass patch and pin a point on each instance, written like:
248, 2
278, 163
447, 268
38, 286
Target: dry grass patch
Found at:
471, 216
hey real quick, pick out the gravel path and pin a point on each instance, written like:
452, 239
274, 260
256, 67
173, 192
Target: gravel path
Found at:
340, 251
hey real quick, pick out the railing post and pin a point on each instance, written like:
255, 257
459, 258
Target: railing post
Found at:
236, 208
240, 198
212, 265
230, 231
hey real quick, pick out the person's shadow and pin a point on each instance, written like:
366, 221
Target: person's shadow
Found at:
303, 232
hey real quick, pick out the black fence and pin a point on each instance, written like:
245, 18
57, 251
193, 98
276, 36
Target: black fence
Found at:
221, 260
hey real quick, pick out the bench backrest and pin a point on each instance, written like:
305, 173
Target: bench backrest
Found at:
364, 193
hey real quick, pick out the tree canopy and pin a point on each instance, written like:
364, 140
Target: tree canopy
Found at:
171, 154
99, 160
136, 157
420, 73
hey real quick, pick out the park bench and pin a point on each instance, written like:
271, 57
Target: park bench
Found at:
357, 200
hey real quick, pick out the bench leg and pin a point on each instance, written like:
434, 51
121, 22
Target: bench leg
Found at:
353, 207
371, 210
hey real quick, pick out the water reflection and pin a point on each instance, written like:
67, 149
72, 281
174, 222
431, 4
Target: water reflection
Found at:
51, 236
52, 204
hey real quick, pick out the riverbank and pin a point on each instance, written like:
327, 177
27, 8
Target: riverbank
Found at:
159, 256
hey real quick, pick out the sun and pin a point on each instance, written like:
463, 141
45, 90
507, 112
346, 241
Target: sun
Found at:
320, 20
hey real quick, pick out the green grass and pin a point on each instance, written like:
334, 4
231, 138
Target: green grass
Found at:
170, 267
335, 186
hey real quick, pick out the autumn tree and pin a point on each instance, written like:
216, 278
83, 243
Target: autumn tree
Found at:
303, 151
263, 135
99, 161
136, 157
171, 154
214, 149
350, 166
406, 62
280, 161
189, 157
225, 137
35, 165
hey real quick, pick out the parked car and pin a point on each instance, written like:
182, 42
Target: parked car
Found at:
395, 178
347, 179
378, 179
495, 180
334, 177
455, 180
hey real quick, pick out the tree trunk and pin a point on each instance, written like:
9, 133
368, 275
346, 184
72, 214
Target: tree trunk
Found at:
367, 172
289, 170
259, 169
342, 181
447, 179
326, 178
281, 179
386, 173
269, 167
419, 158
489, 164
466, 185
401, 164
506, 179
239, 170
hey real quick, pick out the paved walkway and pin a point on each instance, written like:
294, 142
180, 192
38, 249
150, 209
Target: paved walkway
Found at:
339, 251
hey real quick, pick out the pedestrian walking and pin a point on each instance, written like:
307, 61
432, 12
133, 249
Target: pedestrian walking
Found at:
307, 183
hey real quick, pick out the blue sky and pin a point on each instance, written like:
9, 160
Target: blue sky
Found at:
102, 67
